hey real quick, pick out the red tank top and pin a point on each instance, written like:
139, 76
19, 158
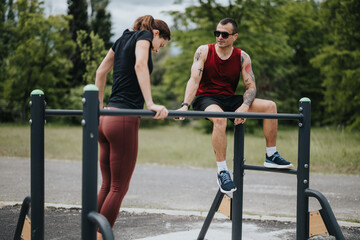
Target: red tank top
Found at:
220, 77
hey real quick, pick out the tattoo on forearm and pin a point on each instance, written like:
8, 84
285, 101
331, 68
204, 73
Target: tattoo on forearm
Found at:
200, 71
249, 95
242, 60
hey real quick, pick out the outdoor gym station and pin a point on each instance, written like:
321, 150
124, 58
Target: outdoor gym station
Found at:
308, 224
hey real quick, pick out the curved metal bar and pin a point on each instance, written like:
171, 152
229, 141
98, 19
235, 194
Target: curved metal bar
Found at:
200, 114
63, 112
103, 224
330, 220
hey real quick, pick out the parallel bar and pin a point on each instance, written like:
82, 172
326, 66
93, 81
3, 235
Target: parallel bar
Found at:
237, 201
260, 168
200, 114
60, 112
89, 167
174, 114
302, 221
37, 111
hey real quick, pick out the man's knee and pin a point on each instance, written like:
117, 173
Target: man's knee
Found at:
220, 123
271, 107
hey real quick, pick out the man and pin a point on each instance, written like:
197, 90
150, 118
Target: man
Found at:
214, 77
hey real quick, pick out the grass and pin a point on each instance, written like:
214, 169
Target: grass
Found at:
332, 150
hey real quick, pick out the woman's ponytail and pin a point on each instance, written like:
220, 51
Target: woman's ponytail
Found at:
144, 23
147, 22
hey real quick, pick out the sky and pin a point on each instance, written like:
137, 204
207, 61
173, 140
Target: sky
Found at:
124, 13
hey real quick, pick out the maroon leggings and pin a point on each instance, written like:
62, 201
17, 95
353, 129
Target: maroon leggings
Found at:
118, 138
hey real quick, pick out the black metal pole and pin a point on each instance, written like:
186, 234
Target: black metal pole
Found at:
23, 212
237, 201
213, 209
37, 120
302, 221
90, 153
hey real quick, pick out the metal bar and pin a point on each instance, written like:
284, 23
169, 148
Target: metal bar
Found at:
237, 201
23, 211
260, 168
103, 224
302, 220
213, 209
330, 220
174, 114
89, 166
37, 110
200, 114
61, 112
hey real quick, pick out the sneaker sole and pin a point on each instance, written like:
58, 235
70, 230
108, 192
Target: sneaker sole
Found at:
224, 191
271, 165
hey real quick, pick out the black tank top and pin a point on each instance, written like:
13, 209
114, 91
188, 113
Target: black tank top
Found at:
126, 92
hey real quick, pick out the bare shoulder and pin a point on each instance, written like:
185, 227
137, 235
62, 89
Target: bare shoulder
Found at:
245, 55
201, 53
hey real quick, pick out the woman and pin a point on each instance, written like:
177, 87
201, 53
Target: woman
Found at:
130, 57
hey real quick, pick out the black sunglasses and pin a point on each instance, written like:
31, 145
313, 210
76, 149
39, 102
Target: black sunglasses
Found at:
223, 34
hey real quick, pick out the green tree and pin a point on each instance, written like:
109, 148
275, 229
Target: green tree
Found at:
79, 21
339, 61
7, 37
40, 59
101, 21
303, 28
92, 53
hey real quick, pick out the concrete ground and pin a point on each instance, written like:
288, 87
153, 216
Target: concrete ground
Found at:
171, 202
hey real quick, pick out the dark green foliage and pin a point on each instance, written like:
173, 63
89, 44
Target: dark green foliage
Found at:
303, 48
101, 21
79, 21
339, 62
37, 58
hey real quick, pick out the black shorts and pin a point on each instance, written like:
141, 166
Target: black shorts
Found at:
226, 103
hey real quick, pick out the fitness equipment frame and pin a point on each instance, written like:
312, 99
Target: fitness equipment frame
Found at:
90, 219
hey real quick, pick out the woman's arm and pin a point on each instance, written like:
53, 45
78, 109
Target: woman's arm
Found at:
104, 68
143, 76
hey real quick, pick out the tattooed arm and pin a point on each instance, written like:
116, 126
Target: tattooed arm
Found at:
250, 86
248, 78
197, 69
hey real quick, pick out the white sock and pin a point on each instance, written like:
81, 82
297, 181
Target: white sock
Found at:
270, 151
222, 166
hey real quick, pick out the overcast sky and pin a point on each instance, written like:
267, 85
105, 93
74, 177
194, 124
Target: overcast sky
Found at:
124, 13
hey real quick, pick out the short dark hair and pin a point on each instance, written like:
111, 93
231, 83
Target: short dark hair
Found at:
229, 20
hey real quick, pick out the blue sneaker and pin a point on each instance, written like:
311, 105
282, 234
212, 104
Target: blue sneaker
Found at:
225, 183
276, 161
